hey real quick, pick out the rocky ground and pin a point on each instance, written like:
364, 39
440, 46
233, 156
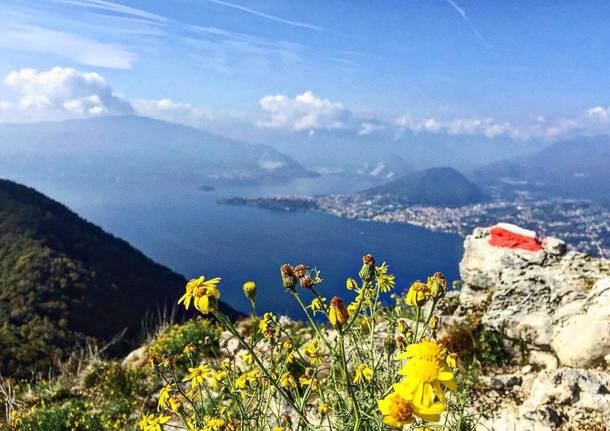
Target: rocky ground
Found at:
551, 309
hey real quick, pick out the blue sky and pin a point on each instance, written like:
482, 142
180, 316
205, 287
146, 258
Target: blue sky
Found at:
512, 64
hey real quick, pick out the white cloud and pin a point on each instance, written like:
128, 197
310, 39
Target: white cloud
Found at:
367, 128
305, 112
60, 93
176, 112
33, 38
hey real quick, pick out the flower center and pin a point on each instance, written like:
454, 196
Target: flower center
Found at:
401, 410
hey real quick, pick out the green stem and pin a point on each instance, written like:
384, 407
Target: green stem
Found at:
227, 324
350, 389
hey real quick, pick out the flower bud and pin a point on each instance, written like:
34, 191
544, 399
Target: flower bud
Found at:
250, 290
437, 285
302, 273
401, 343
434, 321
288, 278
337, 314
389, 345
367, 272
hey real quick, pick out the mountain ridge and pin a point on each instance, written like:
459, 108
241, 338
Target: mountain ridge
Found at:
439, 186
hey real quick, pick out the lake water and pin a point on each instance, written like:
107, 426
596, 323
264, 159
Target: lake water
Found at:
188, 231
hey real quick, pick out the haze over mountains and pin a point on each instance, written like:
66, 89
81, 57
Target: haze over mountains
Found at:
577, 168
129, 147
348, 151
120, 148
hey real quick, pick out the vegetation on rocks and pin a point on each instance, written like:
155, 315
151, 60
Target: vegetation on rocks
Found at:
374, 362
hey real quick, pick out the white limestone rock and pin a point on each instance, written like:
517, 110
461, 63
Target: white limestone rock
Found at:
540, 299
583, 339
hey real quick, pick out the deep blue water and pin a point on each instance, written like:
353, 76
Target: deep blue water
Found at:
187, 230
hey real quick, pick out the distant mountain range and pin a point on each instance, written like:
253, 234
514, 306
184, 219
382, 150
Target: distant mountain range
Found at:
578, 168
442, 186
133, 148
346, 151
64, 281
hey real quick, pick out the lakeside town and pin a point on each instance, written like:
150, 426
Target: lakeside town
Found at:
584, 225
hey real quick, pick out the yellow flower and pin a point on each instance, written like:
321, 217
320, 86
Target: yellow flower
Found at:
363, 372
175, 402
452, 360
214, 424
385, 281
189, 349
164, 396
417, 294
198, 376
396, 410
268, 324
426, 375
217, 379
250, 290
312, 351
323, 409
287, 381
337, 315
351, 284
248, 379
204, 294
247, 358
152, 423
308, 381
317, 304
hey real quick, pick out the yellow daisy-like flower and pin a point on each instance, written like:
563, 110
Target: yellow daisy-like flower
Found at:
198, 376
287, 381
396, 410
426, 376
317, 304
204, 294
363, 373
217, 379
214, 424
164, 397
417, 295
385, 281
153, 423
323, 409
312, 351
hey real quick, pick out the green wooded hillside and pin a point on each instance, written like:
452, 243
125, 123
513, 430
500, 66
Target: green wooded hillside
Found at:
64, 280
